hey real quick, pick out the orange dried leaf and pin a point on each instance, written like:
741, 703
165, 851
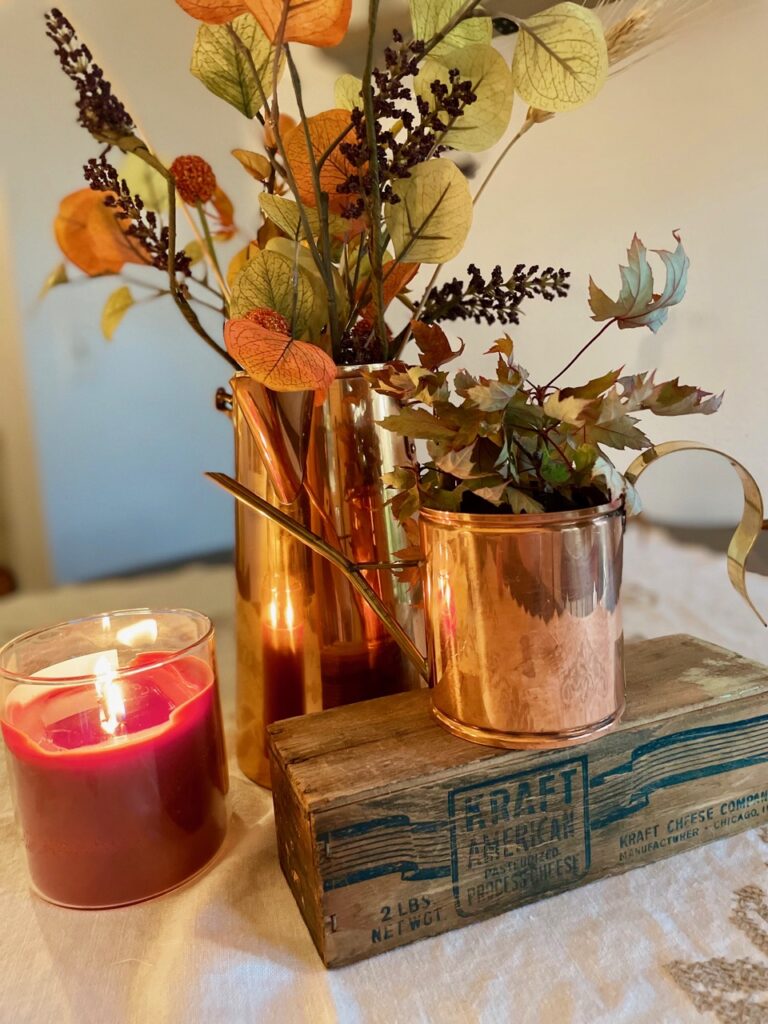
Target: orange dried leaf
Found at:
269, 354
324, 130
266, 233
239, 260
257, 165
214, 12
285, 124
317, 22
225, 212
394, 277
91, 236
433, 345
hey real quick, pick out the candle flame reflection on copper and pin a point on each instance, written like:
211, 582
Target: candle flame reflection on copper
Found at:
280, 613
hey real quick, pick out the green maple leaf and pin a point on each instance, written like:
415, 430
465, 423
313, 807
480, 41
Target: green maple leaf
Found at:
492, 396
554, 471
593, 388
459, 463
618, 433
638, 305
418, 423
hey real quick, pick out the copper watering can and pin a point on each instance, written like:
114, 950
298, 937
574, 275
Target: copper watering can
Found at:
306, 639
523, 615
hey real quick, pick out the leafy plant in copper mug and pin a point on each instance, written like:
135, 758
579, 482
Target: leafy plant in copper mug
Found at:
505, 444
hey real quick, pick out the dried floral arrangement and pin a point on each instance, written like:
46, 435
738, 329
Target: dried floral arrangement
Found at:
354, 200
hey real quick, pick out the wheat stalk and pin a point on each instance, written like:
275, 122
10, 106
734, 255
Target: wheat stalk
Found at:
634, 28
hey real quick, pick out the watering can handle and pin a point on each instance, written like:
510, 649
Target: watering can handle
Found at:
752, 518
349, 568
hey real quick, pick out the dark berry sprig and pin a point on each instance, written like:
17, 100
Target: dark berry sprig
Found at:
99, 111
143, 224
392, 103
496, 300
360, 344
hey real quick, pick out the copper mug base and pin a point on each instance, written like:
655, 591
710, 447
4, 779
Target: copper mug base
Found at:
528, 740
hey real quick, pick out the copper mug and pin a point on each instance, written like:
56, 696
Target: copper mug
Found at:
524, 630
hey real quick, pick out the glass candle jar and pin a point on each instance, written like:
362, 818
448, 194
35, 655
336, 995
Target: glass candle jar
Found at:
113, 734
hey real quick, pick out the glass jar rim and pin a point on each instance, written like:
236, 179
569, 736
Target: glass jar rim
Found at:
206, 630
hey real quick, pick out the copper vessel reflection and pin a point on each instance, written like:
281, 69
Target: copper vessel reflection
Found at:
523, 621
305, 640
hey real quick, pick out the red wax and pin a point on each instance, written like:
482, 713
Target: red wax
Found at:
115, 819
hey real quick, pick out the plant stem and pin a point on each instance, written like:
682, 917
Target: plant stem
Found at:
526, 126
373, 199
581, 352
568, 462
321, 201
135, 145
273, 117
407, 302
184, 307
209, 240
144, 153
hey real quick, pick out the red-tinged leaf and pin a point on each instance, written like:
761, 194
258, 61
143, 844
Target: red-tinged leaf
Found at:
669, 398
214, 12
225, 214
262, 345
92, 237
394, 277
317, 22
324, 130
433, 345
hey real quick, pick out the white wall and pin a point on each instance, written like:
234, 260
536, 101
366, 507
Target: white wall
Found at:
124, 430
679, 141
23, 536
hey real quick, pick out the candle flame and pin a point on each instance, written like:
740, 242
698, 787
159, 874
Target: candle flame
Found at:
111, 703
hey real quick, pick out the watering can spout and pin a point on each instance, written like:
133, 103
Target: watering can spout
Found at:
352, 571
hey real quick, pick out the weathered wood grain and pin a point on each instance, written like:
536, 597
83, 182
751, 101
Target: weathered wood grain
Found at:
390, 829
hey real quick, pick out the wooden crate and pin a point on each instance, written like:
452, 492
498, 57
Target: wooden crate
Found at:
390, 829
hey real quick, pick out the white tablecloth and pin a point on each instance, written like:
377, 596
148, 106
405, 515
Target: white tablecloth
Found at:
682, 940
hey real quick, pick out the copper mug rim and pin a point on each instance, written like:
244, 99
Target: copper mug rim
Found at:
510, 521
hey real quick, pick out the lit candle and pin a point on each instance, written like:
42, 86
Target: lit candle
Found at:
116, 757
